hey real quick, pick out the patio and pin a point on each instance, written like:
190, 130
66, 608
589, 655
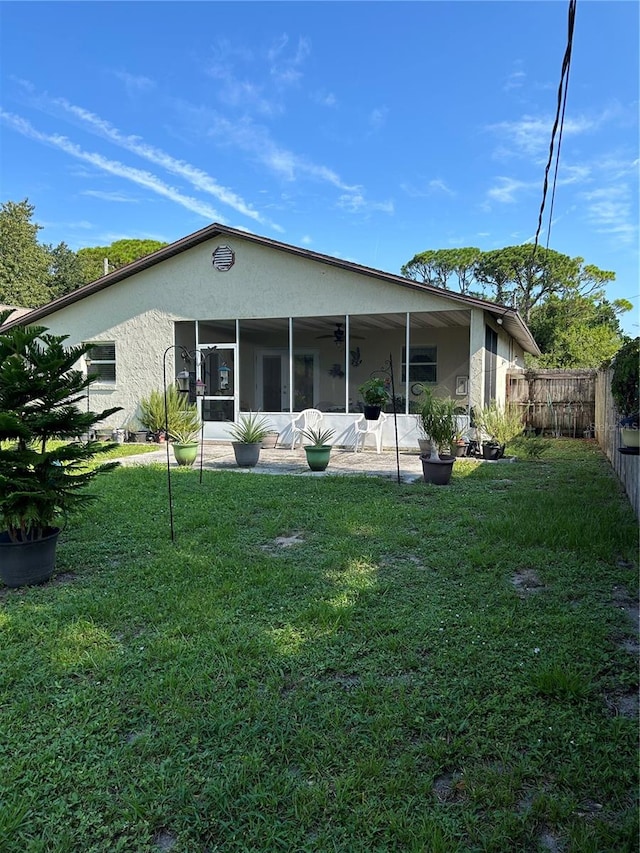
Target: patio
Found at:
283, 460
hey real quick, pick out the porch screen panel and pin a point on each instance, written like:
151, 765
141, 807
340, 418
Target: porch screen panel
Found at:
303, 365
491, 364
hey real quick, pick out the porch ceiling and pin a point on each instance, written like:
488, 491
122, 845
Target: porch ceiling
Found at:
364, 322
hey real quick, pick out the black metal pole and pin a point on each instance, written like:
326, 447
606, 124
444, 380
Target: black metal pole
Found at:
395, 415
166, 435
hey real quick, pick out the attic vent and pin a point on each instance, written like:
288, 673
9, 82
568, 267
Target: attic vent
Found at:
223, 258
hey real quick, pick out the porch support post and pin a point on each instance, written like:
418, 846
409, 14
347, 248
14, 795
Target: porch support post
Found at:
347, 361
407, 343
476, 359
290, 365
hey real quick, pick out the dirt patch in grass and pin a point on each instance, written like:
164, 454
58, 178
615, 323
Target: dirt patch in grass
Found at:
622, 703
449, 787
165, 840
526, 582
629, 605
283, 542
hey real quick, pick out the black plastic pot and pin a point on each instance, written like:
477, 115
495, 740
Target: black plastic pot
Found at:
372, 413
28, 563
492, 451
437, 471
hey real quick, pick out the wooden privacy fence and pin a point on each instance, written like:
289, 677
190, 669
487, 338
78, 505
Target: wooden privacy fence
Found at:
555, 402
608, 435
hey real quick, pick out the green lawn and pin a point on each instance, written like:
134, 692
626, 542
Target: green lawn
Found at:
330, 664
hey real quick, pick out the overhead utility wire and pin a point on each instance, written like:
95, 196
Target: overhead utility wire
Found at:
559, 120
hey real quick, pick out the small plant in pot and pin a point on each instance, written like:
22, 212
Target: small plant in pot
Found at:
375, 396
624, 390
318, 450
438, 419
185, 437
500, 425
43, 470
247, 437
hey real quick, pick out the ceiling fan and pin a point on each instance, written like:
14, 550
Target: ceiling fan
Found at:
339, 335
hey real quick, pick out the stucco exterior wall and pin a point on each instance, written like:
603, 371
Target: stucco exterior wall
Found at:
139, 313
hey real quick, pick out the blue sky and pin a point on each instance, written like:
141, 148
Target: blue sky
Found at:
366, 130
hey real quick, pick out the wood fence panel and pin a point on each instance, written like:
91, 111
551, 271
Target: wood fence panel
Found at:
558, 402
608, 435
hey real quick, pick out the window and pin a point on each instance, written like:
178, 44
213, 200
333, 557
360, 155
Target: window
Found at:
423, 364
102, 358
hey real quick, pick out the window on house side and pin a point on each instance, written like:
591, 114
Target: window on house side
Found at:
103, 361
423, 364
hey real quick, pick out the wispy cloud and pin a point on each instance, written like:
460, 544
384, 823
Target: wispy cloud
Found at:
137, 176
515, 80
135, 84
435, 186
110, 196
378, 117
531, 135
199, 179
609, 211
355, 202
507, 189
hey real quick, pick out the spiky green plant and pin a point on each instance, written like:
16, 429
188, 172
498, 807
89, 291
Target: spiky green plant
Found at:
250, 429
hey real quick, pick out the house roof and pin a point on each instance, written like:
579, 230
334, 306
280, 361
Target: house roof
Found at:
17, 313
509, 318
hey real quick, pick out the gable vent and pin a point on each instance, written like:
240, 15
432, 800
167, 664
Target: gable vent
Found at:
223, 258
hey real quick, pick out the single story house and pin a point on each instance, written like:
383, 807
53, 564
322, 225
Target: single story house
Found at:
272, 327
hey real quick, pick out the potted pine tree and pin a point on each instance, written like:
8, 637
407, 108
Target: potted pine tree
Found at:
43, 468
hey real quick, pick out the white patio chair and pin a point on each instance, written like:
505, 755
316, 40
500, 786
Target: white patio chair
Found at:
306, 419
363, 428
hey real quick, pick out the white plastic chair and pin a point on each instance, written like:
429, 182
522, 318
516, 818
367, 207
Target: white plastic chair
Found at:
307, 419
363, 428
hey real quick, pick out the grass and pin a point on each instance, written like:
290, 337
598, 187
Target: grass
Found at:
330, 664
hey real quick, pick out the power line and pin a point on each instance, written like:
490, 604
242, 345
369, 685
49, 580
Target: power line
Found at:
559, 121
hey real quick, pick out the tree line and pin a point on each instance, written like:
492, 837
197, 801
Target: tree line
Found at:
34, 273
562, 299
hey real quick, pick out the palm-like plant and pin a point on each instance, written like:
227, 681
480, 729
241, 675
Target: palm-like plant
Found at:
250, 429
318, 437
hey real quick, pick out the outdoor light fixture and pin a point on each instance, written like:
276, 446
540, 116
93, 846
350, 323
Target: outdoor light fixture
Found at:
182, 381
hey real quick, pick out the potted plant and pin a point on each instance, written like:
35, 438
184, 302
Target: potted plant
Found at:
248, 435
185, 434
43, 469
318, 451
439, 424
500, 425
375, 396
624, 390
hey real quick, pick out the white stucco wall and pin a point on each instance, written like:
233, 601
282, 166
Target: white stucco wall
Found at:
138, 314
